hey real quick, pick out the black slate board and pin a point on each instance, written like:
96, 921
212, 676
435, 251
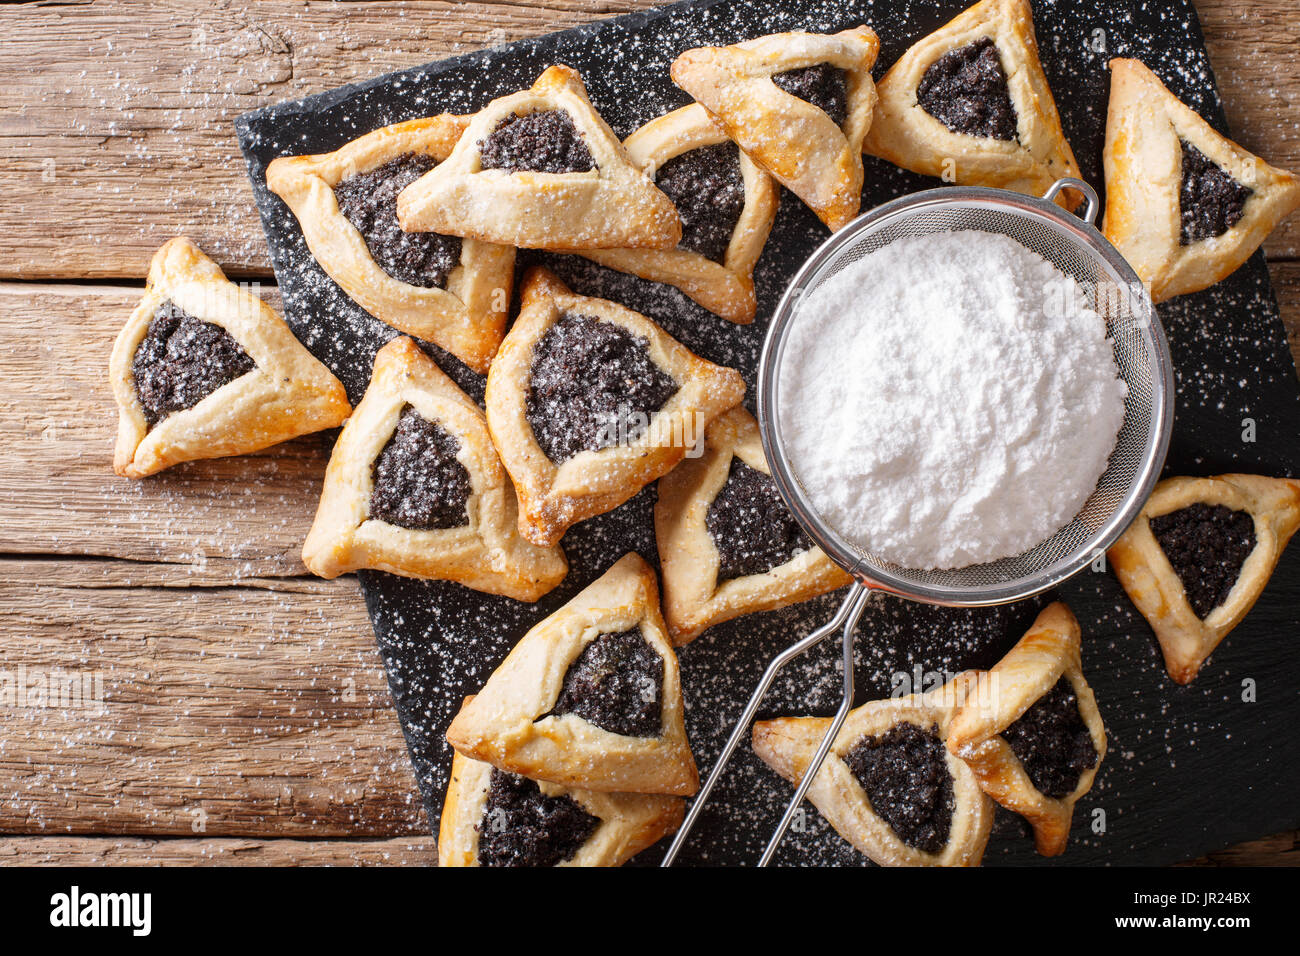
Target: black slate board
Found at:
1189, 769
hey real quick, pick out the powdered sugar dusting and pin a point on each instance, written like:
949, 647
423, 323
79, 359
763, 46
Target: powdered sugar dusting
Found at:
949, 399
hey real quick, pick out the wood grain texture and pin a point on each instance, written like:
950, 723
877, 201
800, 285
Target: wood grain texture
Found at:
225, 711
117, 851
115, 118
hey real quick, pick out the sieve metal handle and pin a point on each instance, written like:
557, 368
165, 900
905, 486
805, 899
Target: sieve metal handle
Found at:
845, 620
1078, 185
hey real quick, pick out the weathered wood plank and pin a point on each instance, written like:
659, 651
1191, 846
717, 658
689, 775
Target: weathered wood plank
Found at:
219, 711
115, 118
57, 425
118, 851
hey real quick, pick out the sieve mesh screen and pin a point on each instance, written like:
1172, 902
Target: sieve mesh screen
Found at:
1141, 358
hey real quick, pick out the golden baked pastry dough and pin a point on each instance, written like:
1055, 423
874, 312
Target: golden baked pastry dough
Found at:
629, 822
694, 599
1154, 586
610, 207
725, 288
788, 744
795, 141
288, 393
510, 723
1146, 126
486, 554
904, 133
553, 497
468, 316
1049, 652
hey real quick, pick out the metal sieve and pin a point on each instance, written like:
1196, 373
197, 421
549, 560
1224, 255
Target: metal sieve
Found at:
1111, 287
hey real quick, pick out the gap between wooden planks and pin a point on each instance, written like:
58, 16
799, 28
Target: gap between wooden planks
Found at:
116, 118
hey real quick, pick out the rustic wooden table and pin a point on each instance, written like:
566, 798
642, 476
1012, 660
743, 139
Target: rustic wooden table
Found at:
243, 714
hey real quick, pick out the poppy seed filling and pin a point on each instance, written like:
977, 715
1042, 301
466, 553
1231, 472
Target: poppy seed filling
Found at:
904, 773
824, 86
1052, 742
708, 189
966, 90
1210, 201
593, 385
182, 360
541, 142
1206, 545
616, 683
522, 826
750, 525
369, 201
418, 481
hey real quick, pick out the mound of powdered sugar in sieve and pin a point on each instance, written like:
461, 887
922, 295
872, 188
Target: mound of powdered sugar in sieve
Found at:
949, 400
